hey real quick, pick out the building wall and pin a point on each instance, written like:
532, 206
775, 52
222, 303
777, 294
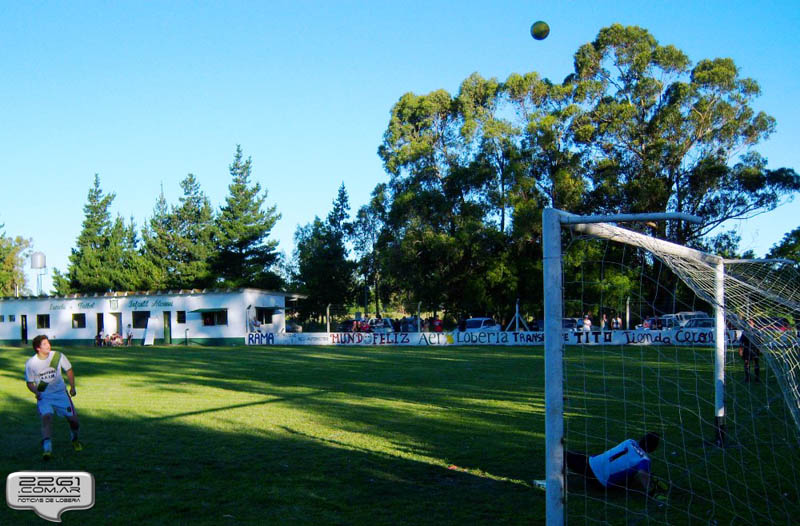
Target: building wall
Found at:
61, 310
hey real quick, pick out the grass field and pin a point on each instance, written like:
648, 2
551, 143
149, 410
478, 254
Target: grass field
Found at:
436, 435
614, 392
276, 435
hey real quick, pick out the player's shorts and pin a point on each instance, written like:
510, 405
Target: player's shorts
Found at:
58, 403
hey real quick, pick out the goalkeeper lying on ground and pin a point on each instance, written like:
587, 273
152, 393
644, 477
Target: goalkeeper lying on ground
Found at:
625, 464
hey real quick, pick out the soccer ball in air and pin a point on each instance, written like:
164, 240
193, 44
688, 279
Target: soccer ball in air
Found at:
540, 30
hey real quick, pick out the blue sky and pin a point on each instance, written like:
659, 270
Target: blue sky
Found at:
143, 93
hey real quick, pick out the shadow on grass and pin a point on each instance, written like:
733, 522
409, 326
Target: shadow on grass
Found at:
475, 409
162, 472
479, 409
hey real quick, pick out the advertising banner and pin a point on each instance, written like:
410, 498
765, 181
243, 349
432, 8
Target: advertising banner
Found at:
688, 337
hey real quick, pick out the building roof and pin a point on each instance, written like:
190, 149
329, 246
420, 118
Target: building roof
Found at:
182, 292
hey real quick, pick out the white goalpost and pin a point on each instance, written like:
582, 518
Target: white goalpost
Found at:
728, 448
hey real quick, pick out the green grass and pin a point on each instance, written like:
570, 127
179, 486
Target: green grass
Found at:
298, 435
617, 392
436, 435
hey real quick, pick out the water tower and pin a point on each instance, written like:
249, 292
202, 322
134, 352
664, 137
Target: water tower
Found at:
38, 263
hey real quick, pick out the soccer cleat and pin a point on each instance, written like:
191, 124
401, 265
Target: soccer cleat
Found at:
77, 446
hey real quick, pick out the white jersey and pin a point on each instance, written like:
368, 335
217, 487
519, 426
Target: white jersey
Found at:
38, 370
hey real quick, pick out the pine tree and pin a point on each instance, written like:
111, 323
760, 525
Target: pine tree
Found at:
323, 270
179, 240
158, 242
194, 223
105, 256
88, 270
246, 255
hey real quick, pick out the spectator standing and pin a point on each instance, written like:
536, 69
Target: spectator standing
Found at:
750, 354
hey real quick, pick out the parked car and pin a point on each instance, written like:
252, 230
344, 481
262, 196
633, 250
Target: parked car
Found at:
670, 321
381, 325
685, 316
667, 321
700, 323
347, 325
651, 322
572, 324
481, 325
408, 324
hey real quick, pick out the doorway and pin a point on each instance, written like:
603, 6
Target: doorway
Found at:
117, 321
167, 327
100, 327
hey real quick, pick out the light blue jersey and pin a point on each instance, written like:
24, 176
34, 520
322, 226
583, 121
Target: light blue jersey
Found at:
620, 462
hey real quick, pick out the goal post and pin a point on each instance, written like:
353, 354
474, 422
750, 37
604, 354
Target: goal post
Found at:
552, 222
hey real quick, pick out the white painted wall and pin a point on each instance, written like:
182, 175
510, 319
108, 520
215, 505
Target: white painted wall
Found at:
61, 310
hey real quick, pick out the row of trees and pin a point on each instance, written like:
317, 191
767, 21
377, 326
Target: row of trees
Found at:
183, 246
636, 127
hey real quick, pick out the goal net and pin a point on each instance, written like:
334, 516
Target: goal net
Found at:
648, 340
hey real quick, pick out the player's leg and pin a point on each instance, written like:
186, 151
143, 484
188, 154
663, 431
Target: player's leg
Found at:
578, 463
71, 414
74, 427
757, 368
63, 406
47, 433
746, 370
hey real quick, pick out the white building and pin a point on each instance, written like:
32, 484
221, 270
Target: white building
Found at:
214, 317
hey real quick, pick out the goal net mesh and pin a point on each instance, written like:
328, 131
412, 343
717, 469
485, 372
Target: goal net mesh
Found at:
647, 364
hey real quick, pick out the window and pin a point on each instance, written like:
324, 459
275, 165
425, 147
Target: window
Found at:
12, 317
181, 314
42, 321
79, 321
2, 318
264, 316
140, 318
215, 317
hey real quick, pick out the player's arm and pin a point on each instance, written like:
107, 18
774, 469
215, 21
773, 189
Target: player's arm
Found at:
30, 384
643, 477
32, 388
71, 380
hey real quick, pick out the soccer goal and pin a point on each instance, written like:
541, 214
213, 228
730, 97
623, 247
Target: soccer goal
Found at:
663, 351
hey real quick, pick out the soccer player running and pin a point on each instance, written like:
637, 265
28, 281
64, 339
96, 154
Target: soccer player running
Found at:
43, 377
621, 465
